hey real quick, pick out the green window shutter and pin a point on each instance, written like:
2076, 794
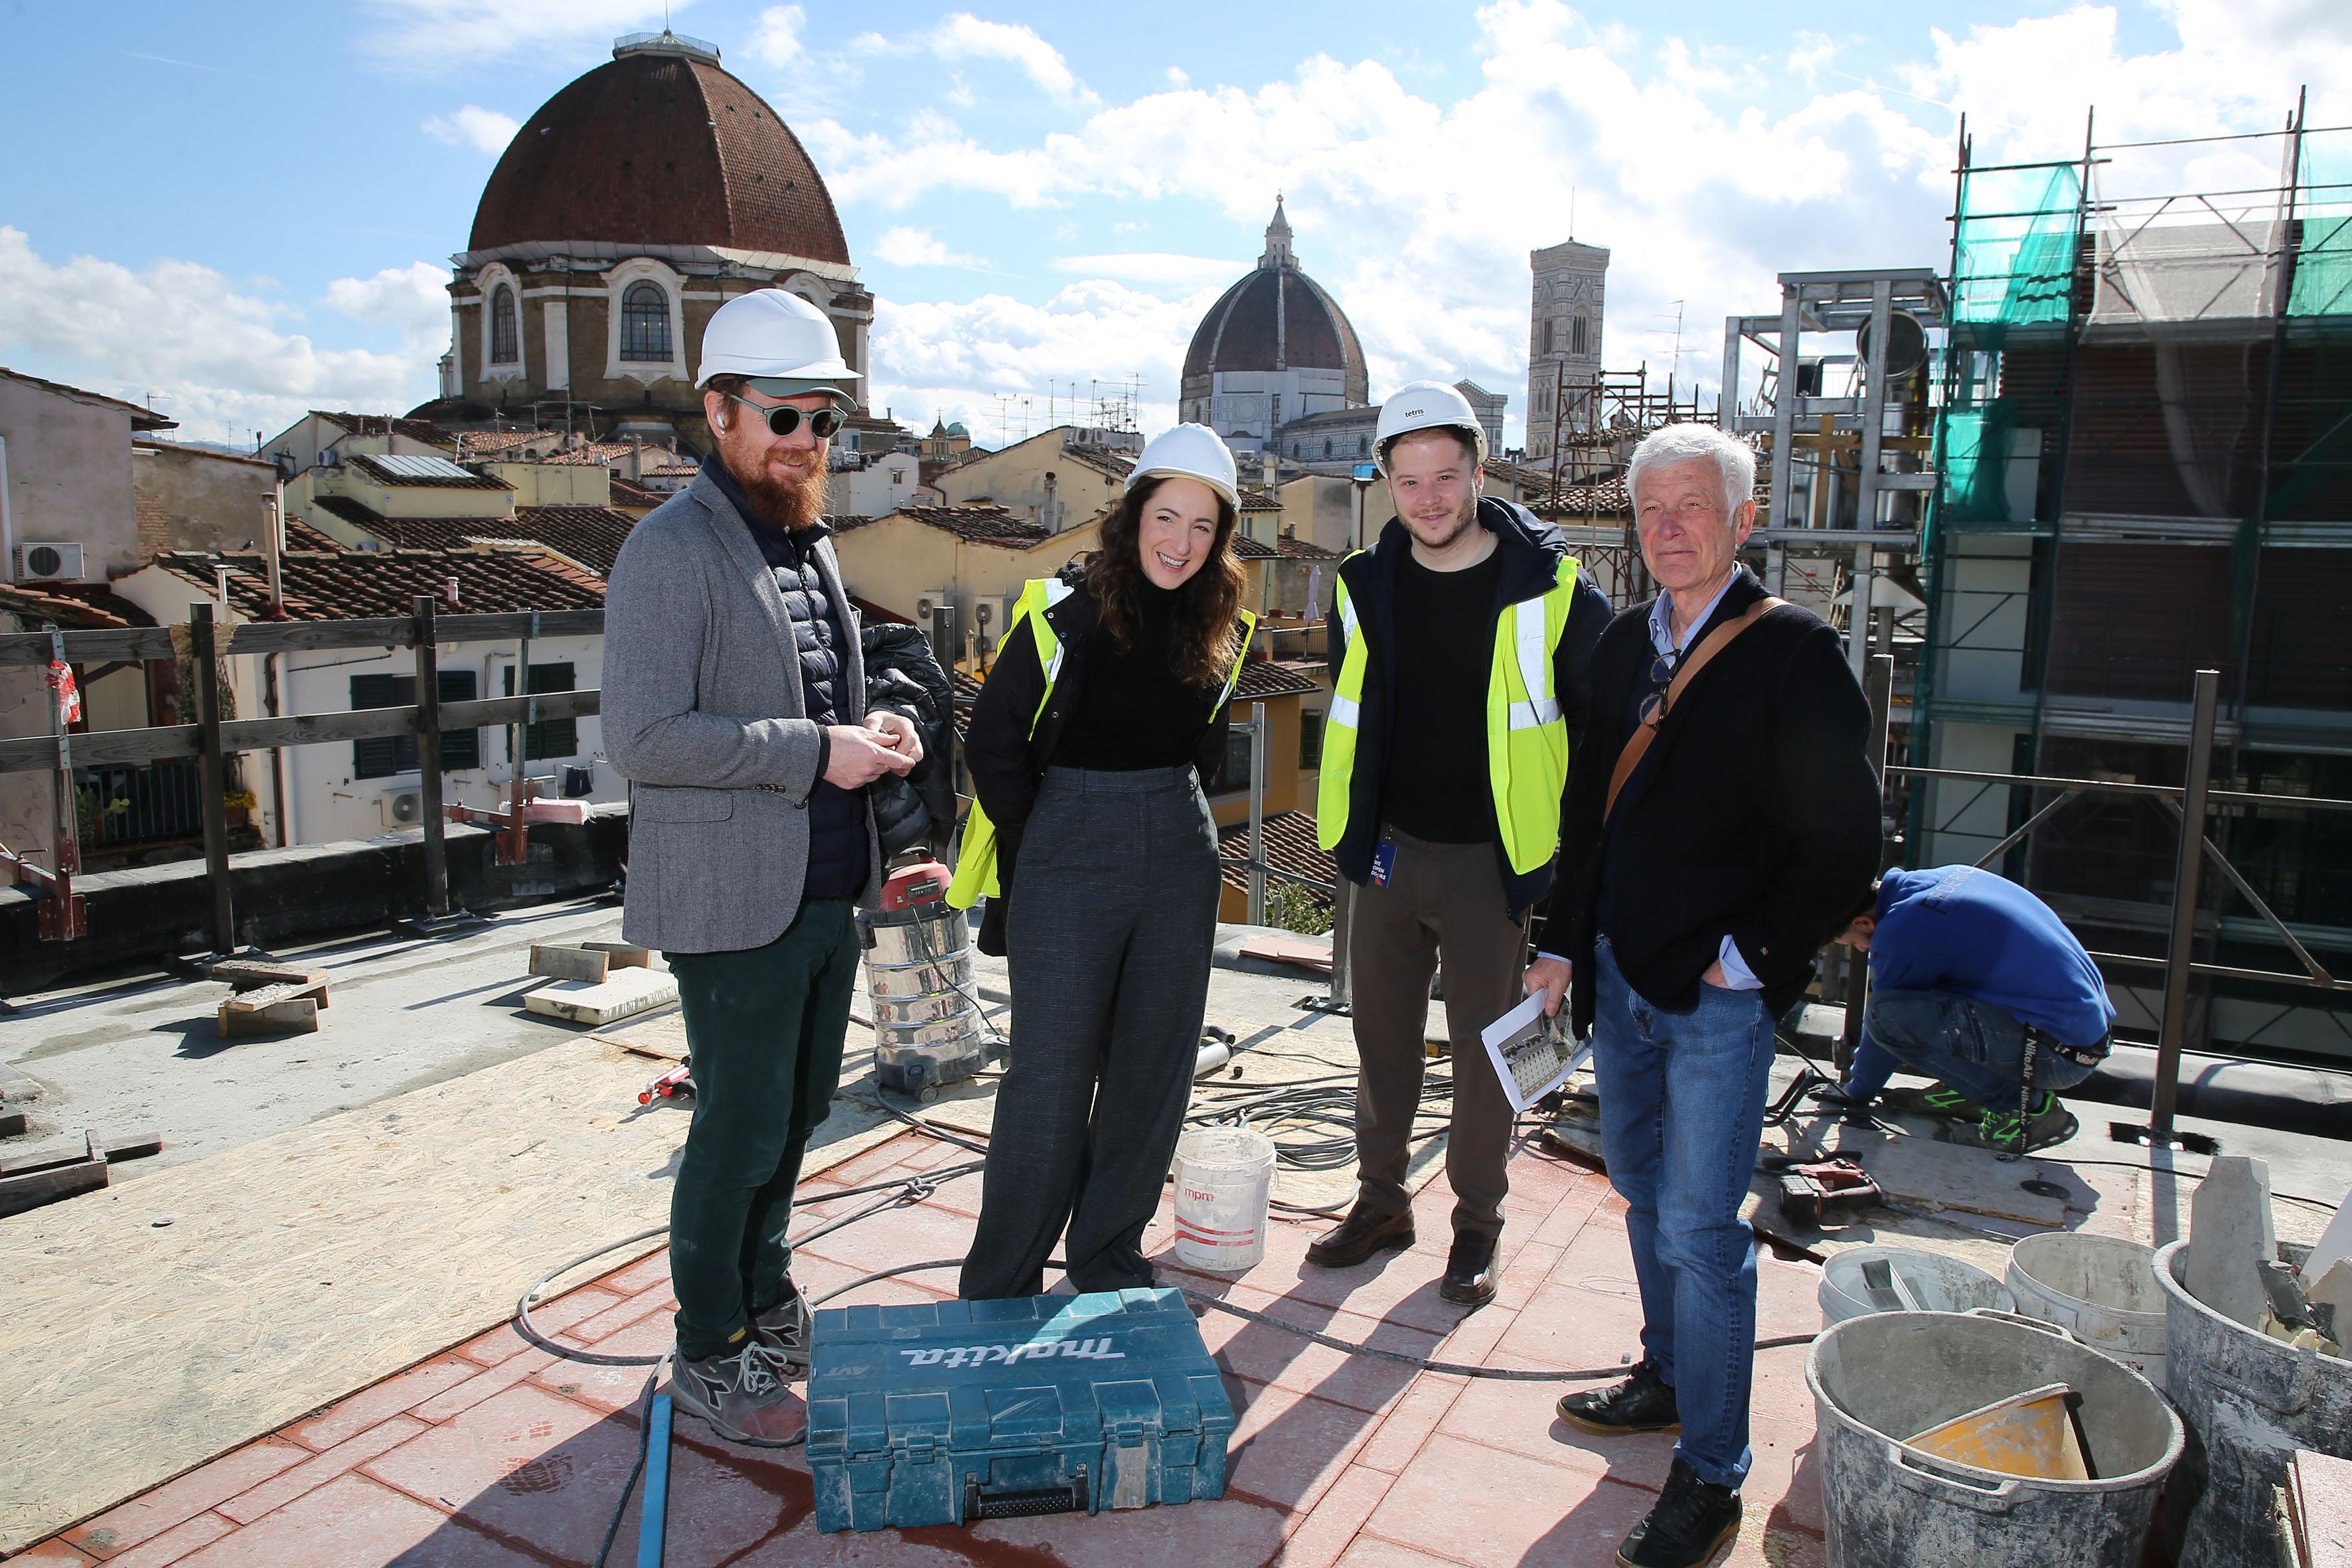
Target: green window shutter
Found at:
381, 756
550, 738
461, 749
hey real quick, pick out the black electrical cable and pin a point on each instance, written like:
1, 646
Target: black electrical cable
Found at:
645, 1447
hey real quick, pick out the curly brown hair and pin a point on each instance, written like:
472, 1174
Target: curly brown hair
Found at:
1208, 636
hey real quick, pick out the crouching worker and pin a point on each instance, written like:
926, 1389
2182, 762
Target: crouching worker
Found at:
1092, 839
735, 704
1978, 984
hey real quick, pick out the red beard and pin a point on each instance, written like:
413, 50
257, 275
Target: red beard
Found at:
791, 503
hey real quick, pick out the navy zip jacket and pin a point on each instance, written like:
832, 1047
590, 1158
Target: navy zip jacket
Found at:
1531, 551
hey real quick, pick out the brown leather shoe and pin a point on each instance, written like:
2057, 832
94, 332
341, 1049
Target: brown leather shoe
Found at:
1356, 1237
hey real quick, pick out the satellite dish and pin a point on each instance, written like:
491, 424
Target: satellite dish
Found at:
1906, 344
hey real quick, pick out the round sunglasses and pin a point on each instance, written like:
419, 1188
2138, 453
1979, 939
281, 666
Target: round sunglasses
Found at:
784, 419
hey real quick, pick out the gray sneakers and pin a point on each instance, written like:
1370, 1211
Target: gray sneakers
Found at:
742, 1394
784, 1329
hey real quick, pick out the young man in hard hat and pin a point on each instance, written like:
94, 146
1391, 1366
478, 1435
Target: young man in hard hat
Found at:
735, 704
1461, 645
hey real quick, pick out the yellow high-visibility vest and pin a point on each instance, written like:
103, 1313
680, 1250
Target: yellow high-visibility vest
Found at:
1527, 735
975, 875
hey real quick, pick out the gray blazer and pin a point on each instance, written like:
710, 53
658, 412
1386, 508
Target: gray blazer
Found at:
703, 714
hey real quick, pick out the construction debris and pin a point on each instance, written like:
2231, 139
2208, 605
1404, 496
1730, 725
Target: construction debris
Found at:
2229, 1237
285, 1007
593, 1003
29, 1181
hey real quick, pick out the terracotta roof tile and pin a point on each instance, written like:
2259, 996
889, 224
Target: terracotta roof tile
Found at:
974, 524
300, 535
350, 584
423, 430
1290, 846
34, 606
1263, 679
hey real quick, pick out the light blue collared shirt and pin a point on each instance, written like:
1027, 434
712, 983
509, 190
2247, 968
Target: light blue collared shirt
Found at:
1737, 975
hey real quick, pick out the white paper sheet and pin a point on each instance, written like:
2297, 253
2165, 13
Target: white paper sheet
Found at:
1532, 1055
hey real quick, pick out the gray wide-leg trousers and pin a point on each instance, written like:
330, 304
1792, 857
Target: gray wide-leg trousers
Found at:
1108, 941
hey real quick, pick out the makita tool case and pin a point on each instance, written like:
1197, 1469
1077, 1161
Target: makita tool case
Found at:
960, 1411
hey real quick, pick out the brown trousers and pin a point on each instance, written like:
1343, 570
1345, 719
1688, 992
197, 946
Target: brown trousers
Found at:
1443, 909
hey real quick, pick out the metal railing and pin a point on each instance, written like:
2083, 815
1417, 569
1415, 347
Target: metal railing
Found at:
2188, 803
212, 740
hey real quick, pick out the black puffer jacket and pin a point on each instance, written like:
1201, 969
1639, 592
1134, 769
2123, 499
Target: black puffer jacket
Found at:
902, 675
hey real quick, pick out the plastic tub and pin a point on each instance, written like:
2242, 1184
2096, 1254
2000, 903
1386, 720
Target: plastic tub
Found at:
1225, 1179
1882, 1378
1933, 1282
2102, 1289
2250, 1402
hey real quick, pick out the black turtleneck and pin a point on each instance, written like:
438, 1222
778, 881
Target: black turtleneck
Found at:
1135, 711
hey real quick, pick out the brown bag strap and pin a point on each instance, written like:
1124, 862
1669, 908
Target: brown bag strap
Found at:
1714, 643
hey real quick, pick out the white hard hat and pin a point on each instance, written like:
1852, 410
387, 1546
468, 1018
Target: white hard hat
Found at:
768, 336
1427, 406
1194, 451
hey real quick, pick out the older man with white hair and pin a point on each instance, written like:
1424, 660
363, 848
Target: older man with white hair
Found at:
1721, 824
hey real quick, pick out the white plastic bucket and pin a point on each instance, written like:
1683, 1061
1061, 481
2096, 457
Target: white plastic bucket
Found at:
1934, 1282
1224, 1177
2102, 1288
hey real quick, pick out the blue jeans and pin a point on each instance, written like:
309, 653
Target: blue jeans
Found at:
1976, 1047
1682, 1109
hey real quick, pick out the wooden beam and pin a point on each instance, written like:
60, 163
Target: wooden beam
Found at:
107, 646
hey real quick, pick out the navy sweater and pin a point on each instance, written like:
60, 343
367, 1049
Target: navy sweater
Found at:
1956, 929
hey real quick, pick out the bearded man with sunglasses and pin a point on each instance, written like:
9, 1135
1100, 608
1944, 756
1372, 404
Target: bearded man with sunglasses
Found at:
1722, 823
735, 704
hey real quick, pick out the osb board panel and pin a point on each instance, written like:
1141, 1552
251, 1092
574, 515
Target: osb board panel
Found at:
303, 1267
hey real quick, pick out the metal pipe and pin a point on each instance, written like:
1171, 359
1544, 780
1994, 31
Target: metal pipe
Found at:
1258, 814
214, 771
428, 761
2189, 864
1881, 692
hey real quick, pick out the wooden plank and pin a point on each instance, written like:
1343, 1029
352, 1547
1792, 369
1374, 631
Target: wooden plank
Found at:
511, 624
631, 992
558, 962
104, 646
1304, 952
131, 1146
34, 1188
261, 998
38, 753
486, 712
627, 955
11, 1123
52, 1158
315, 636
247, 973
294, 1015
313, 729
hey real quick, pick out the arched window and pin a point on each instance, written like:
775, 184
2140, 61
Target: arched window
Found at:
505, 339
1547, 336
1327, 446
1363, 445
645, 323
1576, 334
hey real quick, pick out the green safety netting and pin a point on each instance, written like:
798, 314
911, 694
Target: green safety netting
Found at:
2323, 260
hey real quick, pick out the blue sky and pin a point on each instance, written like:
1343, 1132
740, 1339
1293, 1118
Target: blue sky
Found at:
246, 210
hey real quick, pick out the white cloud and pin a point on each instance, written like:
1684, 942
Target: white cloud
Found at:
916, 247
1176, 77
440, 37
484, 130
965, 37
219, 358
776, 35
1153, 267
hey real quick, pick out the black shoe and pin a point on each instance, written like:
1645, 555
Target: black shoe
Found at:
1357, 1237
1643, 1403
2051, 1123
1693, 1520
1470, 1271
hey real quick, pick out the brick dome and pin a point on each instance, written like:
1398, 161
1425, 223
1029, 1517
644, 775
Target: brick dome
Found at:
659, 147
1278, 318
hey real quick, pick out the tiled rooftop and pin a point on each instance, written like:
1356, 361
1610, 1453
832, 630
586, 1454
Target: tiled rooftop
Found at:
1290, 847
974, 524
300, 535
36, 604
423, 430
350, 584
1263, 679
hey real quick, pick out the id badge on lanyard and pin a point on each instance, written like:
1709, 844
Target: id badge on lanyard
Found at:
1383, 862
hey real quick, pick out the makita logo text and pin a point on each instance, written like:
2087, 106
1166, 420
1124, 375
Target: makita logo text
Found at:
985, 1355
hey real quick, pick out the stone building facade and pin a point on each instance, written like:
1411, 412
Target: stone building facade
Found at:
627, 209
1563, 336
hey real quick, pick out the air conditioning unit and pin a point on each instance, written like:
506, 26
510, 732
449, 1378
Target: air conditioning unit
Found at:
38, 562
404, 808
927, 600
988, 612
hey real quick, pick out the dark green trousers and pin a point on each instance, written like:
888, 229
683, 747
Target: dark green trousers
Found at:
764, 1028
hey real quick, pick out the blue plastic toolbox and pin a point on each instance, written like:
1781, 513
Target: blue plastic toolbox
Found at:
959, 1411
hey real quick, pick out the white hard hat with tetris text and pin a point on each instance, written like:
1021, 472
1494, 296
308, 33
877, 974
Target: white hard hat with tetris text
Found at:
1427, 406
779, 342
1193, 451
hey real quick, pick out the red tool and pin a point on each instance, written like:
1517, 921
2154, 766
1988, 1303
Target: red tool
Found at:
924, 882
675, 1084
1810, 1187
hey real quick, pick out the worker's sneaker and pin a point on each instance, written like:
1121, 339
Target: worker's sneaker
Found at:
1936, 1100
2051, 1122
784, 1331
742, 1396
1693, 1520
1643, 1403
1362, 1233
1470, 1270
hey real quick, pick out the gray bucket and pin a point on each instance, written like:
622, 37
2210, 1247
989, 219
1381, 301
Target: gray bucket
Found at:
1884, 1504
2250, 1402
2100, 1289
1928, 1282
